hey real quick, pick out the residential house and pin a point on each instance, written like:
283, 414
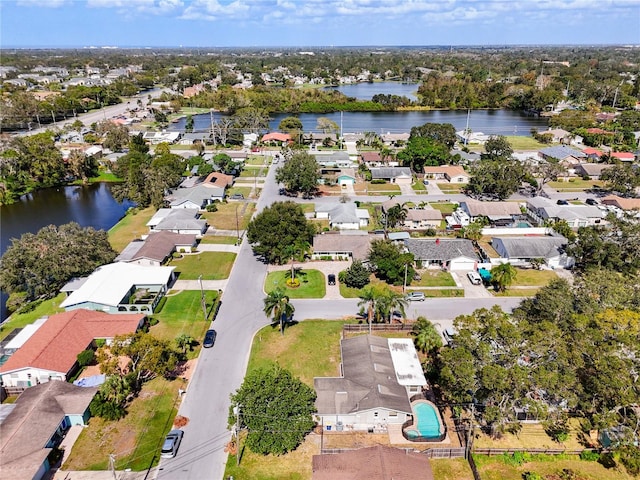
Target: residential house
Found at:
450, 254
592, 154
36, 424
498, 213
276, 138
343, 216
196, 197
520, 250
347, 176
541, 209
372, 463
422, 218
340, 159
179, 220
352, 244
467, 137
249, 139
623, 156
120, 288
156, 248
591, 170
379, 376
622, 203
394, 139
449, 173
218, 179
155, 138
51, 352
558, 135
458, 219
399, 175
562, 153
194, 138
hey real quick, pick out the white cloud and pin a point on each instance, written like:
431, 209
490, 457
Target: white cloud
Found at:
129, 7
42, 3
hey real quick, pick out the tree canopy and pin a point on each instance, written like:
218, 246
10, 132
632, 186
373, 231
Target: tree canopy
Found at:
276, 409
300, 174
38, 265
276, 228
390, 263
496, 178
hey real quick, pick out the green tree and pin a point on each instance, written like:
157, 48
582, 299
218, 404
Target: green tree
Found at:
497, 148
368, 299
188, 125
275, 228
396, 215
300, 174
40, 264
356, 276
391, 303
86, 357
496, 178
111, 399
620, 178
389, 262
326, 125
275, 408
421, 151
444, 133
184, 341
425, 336
292, 126
278, 307
503, 275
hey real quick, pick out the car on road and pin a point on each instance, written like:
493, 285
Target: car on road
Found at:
474, 278
591, 201
415, 297
331, 279
562, 202
209, 339
237, 196
171, 444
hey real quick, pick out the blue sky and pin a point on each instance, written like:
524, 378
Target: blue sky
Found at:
248, 23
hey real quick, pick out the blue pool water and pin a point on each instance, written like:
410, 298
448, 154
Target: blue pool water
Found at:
427, 421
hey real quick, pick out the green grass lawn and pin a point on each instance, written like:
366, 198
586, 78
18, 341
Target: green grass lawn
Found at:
419, 186
256, 160
211, 265
307, 207
548, 466
312, 285
182, 313
529, 277
524, 143
445, 208
131, 226
253, 172
103, 177
218, 239
136, 439
31, 313
434, 279
451, 187
451, 469
385, 188
225, 217
576, 184
515, 292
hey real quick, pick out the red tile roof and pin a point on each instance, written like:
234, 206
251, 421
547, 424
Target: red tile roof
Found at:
592, 151
598, 131
622, 155
370, 156
56, 344
276, 136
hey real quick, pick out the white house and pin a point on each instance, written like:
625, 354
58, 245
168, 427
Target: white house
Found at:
422, 218
521, 250
399, 175
120, 288
343, 216
450, 254
179, 220
542, 209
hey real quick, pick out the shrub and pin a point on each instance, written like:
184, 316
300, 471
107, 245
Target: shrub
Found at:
378, 181
532, 476
516, 459
356, 276
212, 207
589, 455
630, 458
558, 429
86, 357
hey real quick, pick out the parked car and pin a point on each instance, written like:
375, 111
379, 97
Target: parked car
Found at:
562, 202
331, 279
591, 201
474, 278
415, 297
171, 444
237, 196
209, 339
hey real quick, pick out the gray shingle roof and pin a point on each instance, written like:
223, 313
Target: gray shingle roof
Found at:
357, 245
369, 380
390, 172
529, 247
561, 152
440, 249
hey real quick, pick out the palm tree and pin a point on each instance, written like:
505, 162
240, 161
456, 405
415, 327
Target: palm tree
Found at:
503, 276
277, 306
368, 299
425, 336
389, 302
396, 214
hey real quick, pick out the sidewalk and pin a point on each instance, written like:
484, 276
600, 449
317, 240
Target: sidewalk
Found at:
103, 475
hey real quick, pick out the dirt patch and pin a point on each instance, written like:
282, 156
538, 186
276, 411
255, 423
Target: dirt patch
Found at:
185, 369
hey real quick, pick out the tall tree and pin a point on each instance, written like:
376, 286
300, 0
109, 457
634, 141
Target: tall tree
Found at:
425, 336
278, 307
497, 148
300, 174
496, 178
503, 275
444, 133
390, 263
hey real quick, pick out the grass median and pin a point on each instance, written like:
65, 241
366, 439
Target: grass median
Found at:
312, 284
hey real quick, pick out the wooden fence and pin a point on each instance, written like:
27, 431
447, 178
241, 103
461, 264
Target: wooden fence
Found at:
533, 451
377, 327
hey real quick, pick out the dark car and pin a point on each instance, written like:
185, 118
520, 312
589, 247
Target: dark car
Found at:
171, 444
331, 279
282, 191
562, 202
591, 201
209, 339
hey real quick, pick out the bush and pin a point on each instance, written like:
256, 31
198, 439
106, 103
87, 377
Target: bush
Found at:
356, 276
516, 459
630, 458
212, 207
532, 476
378, 181
558, 429
589, 455
86, 357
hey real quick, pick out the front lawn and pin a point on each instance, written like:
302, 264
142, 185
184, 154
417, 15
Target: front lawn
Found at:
218, 239
419, 186
529, 277
132, 226
381, 189
519, 142
434, 279
136, 439
245, 191
451, 187
225, 217
31, 313
257, 160
253, 172
312, 284
576, 185
211, 265
182, 313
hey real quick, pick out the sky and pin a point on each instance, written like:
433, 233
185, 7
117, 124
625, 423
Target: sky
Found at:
299, 23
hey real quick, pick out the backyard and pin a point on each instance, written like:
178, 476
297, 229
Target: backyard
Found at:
30, 314
225, 217
132, 226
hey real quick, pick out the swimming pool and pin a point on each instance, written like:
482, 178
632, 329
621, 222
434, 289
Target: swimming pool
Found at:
427, 422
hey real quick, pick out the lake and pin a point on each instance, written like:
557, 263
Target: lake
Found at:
366, 91
89, 206
491, 122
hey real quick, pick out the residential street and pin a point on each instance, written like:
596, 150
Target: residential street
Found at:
220, 370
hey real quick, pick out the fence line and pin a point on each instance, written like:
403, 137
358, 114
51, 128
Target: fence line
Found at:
385, 327
532, 451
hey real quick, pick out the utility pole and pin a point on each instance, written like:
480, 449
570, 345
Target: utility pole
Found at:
237, 225
404, 285
202, 300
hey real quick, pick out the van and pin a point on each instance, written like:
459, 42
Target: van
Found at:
474, 278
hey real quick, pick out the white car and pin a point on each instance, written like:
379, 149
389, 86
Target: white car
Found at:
171, 444
415, 297
474, 278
